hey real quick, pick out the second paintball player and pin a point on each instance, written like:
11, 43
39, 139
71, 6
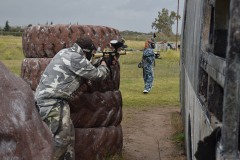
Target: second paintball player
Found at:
148, 59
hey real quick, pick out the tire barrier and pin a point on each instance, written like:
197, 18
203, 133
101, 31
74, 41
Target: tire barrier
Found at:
32, 69
96, 106
96, 109
98, 143
44, 41
23, 134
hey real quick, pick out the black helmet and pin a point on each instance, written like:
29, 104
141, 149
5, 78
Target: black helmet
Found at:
152, 44
87, 45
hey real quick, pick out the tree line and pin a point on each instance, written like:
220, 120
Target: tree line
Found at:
11, 30
162, 25
164, 22
8, 28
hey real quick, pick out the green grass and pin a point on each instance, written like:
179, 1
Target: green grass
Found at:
13, 65
135, 45
165, 90
178, 135
11, 53
11, 48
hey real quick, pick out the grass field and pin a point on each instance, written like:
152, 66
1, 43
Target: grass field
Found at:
11, 53
165, 90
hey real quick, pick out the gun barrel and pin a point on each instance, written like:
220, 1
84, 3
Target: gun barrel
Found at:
107, 54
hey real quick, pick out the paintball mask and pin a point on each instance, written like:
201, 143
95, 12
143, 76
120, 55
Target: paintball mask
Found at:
152, 45
87, 46
89, 52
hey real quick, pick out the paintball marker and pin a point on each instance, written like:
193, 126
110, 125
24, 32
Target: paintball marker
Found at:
110, 54
156, 52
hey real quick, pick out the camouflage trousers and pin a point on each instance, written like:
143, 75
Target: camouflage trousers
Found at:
148, 76
60, 123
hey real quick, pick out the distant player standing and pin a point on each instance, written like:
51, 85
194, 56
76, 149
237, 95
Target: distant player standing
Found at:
148, 59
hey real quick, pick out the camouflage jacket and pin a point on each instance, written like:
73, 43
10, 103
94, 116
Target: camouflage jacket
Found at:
148, 57
63, 76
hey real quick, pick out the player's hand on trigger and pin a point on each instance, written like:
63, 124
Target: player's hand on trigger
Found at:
103, 62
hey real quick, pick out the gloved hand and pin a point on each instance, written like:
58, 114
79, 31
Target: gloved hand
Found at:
105, 61
96, 62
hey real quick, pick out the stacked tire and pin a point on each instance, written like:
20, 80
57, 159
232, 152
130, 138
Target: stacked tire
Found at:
96, 107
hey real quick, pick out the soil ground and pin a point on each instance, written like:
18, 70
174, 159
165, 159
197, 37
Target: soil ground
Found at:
147, 134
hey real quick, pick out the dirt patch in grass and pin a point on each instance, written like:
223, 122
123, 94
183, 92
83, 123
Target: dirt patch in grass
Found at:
148, 134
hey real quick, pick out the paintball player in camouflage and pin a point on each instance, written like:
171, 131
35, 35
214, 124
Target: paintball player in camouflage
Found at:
60, 79
148, 59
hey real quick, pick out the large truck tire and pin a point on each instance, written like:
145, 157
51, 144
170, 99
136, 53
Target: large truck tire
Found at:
111, 83
96, 106
98, 143
23, 134
32, 69
96, 109
44, 41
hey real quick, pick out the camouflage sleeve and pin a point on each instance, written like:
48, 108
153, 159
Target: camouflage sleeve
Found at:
148, 52
82, 67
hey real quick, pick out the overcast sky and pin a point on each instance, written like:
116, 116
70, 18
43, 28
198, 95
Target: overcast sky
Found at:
132, 15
